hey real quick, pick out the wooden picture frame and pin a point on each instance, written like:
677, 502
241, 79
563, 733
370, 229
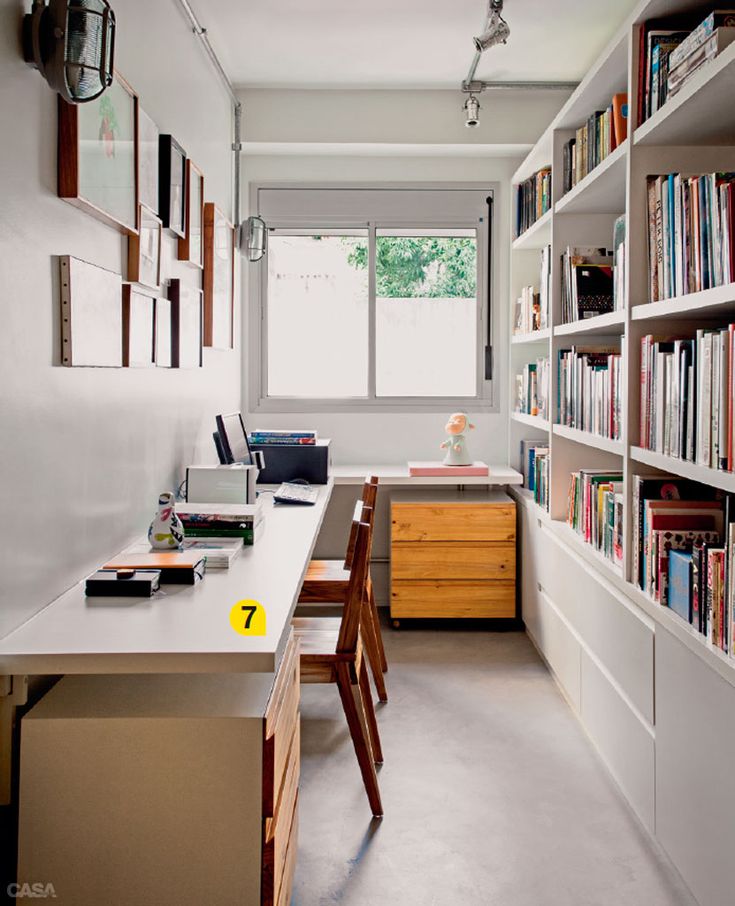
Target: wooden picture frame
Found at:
138, 326
186, 325
98, 156
148, 142
219, 279
144, 250
91, 314
172, 185
191, 247
162, 333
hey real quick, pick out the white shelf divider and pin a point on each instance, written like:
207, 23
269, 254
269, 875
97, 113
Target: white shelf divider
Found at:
533, 421
713, 477
602, 191
536, 336
590, 440
536, 236
711, 303
610, 322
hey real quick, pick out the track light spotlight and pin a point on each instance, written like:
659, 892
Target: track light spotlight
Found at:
497, 30
472, 112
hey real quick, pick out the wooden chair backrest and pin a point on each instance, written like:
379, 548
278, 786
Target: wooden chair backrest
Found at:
369, 499
356, 589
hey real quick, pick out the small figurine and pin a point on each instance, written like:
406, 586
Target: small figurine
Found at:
455, 444
166, 531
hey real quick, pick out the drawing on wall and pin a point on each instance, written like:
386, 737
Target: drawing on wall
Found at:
137, 327
186, 325
219, 278
91, 314
144, 250
98, 155
191, 247
148, 160
172, 185
162, 333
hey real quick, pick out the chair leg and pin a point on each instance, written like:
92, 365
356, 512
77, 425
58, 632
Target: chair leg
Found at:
372, 722
375, 620
373, 652
357, 723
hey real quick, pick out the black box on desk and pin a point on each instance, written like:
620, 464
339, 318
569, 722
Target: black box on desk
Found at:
309, 462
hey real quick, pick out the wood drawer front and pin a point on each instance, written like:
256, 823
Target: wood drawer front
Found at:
288, 790
289, 866
453, 522
451, 600
286, 677
277, 853
453, 561
280, 727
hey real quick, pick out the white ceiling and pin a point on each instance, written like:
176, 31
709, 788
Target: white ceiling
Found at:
402, 43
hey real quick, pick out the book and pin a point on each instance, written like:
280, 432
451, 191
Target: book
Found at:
177, 567
680, 583
288, 438
620, 117
716, 19
533, 199
439, 470
219, 552
714, 45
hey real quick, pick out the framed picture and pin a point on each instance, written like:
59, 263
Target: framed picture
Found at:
98, 155
138, 312
186, 325
162, 333
91, 314
172, 185
147, 160
191, 247
144, 250
219, 278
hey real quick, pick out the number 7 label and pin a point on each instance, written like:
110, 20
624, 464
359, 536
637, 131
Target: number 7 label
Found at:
247, 617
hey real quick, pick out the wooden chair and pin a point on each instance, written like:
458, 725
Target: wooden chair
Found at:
326, 582
332, 652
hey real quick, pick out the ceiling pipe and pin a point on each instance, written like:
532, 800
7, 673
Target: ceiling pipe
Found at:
478, 85
201, 33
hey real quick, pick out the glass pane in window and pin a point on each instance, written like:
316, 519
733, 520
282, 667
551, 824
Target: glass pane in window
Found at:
317, 316
426, 313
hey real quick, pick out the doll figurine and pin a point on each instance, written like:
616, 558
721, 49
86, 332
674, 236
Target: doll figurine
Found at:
455, 444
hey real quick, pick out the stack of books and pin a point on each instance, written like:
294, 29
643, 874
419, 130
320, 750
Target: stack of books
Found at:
587, 283
691, 240
282, 438
671, 50
528, 311
218, 552
589, 386
707, 40
595, 510
687, 389
533, 389
603, 132
533, 199
220, 520
620, 297
535, 470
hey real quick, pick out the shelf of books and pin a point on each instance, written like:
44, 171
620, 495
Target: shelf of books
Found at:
639, 462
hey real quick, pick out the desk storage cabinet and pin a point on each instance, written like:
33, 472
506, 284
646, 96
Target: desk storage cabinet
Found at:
453, 554
174, 790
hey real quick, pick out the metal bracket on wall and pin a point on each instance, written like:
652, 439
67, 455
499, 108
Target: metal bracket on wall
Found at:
13, 692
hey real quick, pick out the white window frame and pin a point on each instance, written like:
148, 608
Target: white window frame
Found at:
487, 312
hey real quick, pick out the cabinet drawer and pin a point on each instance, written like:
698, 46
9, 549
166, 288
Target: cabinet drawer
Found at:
276, 856
281, 723
453, 561
289, 866
453, 522
434, 600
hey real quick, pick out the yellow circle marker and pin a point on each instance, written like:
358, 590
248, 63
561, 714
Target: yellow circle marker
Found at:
248, 617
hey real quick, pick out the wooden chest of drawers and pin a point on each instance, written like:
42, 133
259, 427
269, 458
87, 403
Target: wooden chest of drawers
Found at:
174, 790
453, 554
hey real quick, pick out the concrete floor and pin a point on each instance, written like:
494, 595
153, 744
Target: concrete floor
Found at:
493, 795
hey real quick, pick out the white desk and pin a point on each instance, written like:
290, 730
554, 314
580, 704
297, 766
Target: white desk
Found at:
188, 629
397, 476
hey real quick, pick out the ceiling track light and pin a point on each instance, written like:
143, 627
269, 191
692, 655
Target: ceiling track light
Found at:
472, 112
497, 30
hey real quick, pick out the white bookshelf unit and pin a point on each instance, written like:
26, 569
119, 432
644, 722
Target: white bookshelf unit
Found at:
654, 696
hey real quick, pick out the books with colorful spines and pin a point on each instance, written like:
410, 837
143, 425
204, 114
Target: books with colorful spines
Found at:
177, 567
620, 117
220, 520
715, 596
662, 543
662, 487
680, 583
718, 18
288, 438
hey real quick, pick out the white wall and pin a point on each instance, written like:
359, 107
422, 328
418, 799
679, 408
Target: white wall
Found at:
85, 452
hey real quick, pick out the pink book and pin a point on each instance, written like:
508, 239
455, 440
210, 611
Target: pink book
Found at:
439, 470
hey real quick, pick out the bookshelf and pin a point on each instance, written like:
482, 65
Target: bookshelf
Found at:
578, 606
